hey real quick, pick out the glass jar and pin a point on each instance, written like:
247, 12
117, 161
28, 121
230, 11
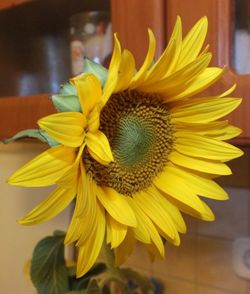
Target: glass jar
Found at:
91, 37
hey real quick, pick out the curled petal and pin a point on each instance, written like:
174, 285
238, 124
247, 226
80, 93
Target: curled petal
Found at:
98, 147
66, 128
89, 91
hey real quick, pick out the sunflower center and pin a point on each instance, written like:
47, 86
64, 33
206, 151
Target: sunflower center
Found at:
138, 128
133, 141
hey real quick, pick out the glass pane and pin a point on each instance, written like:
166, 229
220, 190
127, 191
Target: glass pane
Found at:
241, 37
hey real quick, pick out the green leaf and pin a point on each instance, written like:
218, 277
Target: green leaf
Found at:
29, 133
48, 269
32, 133
66, 103
98, 70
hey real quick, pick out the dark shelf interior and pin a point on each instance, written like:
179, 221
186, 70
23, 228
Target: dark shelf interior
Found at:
35, 45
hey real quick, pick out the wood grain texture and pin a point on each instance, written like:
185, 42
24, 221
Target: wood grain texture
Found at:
220, 18
131, 19
4, 4
18, 113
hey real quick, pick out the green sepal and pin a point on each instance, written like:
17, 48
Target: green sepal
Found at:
48, 268
32, 133
67, 99
66, 103
50, 141
98, 70
68, 89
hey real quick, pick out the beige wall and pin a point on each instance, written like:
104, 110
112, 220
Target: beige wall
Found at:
201, 265
203, 262
17, 242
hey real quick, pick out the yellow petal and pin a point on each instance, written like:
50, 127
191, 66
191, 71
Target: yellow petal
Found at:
85, 203
179, 80
172, 184
89, 91
200, 185
117, 206
207, 214
160, 68
84, 216
211, 129
45, 169
86, 209
177, 38
229, 133
208, 148
193, 42
88, 253
99, 148
125, 249
203, 110
70, 178
94, 120
157, 213
204, 80
55, 203
66, 128
113, 72
219, 130
87, 224
229, 91
155, 237
153, 252
170, 209
73, 231
141, 231
141, 74
126, 71
206, 166
116, 232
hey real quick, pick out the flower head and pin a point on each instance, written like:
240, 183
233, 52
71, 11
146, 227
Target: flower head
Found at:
136, 149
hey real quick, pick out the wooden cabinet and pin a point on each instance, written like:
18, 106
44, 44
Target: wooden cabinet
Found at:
34, 57
160, 15
131, 18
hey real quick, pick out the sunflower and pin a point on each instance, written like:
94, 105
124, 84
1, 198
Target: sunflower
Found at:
135, 149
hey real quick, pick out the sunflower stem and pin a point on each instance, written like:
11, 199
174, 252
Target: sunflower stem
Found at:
108, 255
114, 272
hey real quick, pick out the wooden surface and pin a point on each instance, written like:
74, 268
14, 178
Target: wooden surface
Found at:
220, 20
18, 113
34, 57
4, 4
131, 19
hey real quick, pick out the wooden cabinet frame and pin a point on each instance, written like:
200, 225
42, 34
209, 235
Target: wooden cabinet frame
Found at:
131, 18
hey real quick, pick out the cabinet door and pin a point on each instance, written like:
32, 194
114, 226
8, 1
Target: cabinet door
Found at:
131, 19
9, 3
220, 37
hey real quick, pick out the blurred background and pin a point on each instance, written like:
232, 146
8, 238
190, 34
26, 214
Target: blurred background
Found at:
42, 44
